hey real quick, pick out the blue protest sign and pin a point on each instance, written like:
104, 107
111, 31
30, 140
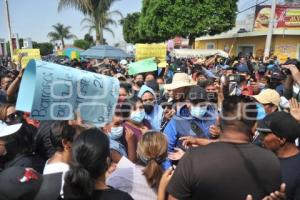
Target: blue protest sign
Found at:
54, 92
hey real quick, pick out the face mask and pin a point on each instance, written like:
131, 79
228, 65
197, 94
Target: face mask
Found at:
161, 88
223, 79
116, 132
261, 113
198, 112
137, 116
148, 108
140, 83
296, 88
261, 86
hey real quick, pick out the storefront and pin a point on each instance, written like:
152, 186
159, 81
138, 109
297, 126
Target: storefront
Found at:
285, 43
285, 39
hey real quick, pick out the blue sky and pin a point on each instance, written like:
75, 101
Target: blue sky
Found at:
34, 18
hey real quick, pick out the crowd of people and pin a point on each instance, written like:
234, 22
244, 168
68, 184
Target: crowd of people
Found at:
200, 128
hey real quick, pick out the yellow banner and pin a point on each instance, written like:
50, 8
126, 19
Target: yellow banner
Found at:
144, 51
28, 54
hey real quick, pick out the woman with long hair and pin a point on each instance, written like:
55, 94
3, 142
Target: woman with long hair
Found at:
86, 178
141, 180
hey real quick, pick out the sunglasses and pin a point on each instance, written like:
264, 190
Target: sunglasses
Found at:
14, 117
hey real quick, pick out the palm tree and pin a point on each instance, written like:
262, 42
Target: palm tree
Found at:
97, 12
103, 21
60, 32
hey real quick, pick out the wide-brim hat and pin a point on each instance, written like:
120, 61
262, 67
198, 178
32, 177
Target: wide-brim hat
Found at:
6, 130
179, 80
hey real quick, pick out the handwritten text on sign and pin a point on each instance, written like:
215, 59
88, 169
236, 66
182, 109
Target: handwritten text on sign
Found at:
60, 91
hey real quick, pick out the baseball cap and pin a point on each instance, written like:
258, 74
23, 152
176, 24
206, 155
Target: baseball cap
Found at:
6, 130
268, 96
282, 124
20, 183
197, 93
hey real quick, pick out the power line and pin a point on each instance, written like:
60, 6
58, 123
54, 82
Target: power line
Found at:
252, 6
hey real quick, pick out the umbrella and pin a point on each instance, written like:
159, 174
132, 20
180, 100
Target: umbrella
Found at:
104, 51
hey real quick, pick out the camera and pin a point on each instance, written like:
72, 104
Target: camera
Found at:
290, 62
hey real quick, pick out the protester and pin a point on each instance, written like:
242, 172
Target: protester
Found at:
17, 149
154, 112
278, 132
20, 183
194, 119
62, 136
141, 180
6, 80
270, 100
190, 102
86, 178
234, 156
115, 132
135, 126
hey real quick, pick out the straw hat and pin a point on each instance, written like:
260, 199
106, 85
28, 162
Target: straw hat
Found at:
179, 80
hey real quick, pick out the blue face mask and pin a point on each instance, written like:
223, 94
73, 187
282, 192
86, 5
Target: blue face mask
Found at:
116, 132
262, 86
137, 116
198, 112
261, 113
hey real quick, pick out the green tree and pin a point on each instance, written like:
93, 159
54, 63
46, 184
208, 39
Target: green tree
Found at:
103, 21
162, 20
96, 12
61, 33
130, 28
89, 39
82, 44
45, 48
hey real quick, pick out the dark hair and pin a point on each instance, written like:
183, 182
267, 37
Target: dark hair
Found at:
90, 153
59, 131
238, 113
20, 142
123, 109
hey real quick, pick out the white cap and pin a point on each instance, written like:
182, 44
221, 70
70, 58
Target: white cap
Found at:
123, 62
6, 130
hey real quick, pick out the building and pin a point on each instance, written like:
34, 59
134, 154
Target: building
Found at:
285, 39
2, 47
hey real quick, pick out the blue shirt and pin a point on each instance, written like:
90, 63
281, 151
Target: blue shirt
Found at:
181, 125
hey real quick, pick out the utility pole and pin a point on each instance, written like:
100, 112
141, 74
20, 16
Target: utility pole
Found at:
270, 31
9, 27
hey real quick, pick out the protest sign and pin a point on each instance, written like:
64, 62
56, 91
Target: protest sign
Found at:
55, 92
147, 65
28, 54
144, 51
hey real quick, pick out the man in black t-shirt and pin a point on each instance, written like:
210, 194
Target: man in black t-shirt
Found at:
229, 169
278, 132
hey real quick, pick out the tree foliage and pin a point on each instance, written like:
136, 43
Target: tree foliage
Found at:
60, 32
97, 14
162, 20
130, 28
45, 48
89, 39
82, 44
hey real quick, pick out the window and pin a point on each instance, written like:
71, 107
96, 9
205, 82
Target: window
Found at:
246, 50
210, 45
